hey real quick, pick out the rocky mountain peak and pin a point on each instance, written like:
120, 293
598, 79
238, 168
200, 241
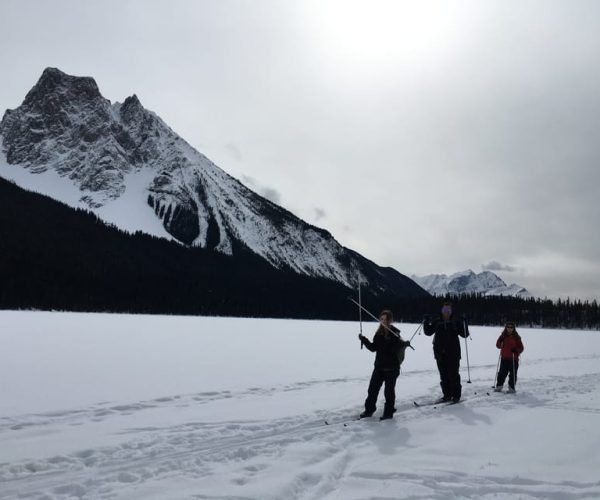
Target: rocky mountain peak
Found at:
132, 102
65, 125
131, 109
55, 84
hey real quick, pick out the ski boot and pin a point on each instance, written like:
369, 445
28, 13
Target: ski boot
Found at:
388, 414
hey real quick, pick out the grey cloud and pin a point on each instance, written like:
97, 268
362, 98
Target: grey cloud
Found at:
269, 193
234, 151
319, 213
494, 265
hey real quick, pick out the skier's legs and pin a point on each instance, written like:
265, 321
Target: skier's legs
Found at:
453, 377
390, 391
442, 365
505, 367
512, 378
373, 391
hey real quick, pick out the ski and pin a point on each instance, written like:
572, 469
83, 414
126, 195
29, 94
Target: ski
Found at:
345, 421
431, 403
436, 403
421, 405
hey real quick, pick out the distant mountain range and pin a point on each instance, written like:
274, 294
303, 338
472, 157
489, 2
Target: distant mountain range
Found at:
467, 281
123, 163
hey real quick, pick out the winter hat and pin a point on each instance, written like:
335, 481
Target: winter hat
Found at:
446, 308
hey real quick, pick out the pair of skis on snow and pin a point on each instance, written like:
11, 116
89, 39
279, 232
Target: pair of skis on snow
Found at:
442, 402
435, 404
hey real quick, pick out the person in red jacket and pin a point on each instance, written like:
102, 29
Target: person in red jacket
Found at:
511, 346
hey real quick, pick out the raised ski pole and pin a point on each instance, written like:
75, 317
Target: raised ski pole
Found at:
467, 349
360, 311
376, 319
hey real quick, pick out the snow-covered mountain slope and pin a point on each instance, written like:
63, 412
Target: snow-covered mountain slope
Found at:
125, 164
485, 282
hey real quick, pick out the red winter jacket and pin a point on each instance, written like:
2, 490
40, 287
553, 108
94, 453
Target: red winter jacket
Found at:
506, 344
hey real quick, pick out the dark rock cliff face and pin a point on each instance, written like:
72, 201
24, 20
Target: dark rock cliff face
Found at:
107, 150
181, 222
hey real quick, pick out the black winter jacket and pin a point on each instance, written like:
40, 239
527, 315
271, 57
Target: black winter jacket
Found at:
445, 342
386, 347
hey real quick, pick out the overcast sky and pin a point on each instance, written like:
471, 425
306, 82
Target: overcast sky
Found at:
429, 136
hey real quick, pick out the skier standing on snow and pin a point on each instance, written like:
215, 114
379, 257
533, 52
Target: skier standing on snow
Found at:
446, 350
511, 346
387, 344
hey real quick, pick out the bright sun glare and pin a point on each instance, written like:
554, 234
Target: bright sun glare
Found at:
382, 31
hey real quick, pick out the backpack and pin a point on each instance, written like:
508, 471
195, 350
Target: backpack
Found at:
401, 350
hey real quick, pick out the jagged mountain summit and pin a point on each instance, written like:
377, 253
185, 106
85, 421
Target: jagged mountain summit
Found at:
125, 164
467, 281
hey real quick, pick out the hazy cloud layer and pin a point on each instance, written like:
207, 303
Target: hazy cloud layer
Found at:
498, 266
266, 192
446, 134
319, 214
234, 151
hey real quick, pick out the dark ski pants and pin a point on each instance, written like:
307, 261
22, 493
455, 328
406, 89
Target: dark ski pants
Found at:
449, 366
378, 378
506, 368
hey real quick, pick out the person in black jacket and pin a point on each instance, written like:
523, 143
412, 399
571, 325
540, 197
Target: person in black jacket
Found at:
446, 350
386, 343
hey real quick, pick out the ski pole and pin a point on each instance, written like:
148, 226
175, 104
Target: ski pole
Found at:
377, 319
416, 331
360, 311
497, 368
514, 373
467, 350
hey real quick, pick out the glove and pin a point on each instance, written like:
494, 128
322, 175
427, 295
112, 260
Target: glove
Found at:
361, 337
407, 343
426, 318
514, 350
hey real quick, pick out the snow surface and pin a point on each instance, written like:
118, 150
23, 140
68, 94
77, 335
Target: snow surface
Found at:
130, 211
155, 407
48, 183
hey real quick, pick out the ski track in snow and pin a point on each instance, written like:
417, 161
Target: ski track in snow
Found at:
236, 455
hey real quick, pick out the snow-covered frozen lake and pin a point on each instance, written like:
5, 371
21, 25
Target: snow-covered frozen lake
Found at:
155, 407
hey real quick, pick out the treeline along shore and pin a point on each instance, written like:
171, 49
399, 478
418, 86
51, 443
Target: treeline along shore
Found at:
53, 257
